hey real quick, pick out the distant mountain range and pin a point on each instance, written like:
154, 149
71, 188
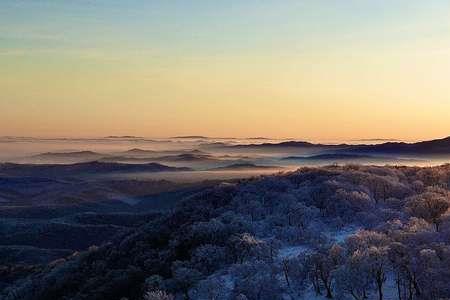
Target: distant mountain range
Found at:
291, 150
244, 167
135, 154
290, 144
140, 152
137, 151
332, 156
95, 167
82, 155
190, 137
124, 137
186, 157
433, 147
348, 157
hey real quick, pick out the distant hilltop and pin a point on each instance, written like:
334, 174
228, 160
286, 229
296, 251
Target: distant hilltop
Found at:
190, 137
123, 137
433, 147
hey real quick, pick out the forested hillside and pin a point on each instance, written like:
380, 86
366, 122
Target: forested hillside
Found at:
341, 232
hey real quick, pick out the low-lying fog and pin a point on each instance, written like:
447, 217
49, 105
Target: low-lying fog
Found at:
200, 157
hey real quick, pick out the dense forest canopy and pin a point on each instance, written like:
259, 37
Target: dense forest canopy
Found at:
342, 232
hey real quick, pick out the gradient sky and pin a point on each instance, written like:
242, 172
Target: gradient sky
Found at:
319, 69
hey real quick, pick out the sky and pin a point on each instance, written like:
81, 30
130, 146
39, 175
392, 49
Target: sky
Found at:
319, 69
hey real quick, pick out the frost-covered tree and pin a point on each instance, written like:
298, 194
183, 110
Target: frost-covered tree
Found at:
378, 264
430, 206
257, 281
373, 248
158, 295
354, 277
321, 266
245, 246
